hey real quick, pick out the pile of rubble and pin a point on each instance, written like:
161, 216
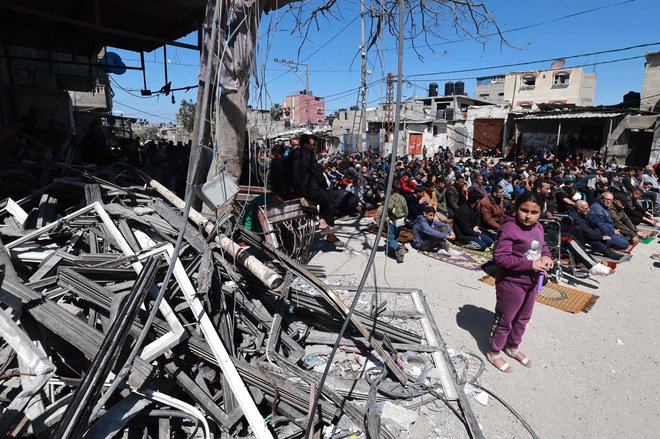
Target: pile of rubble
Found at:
121, 317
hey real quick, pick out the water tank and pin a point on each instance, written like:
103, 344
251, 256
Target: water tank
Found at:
632, 99
449, 88
433, 89
459, 88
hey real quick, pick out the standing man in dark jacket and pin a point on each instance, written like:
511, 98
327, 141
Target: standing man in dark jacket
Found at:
306, 178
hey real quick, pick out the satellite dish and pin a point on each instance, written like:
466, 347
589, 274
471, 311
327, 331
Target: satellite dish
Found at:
558, 64
112, 63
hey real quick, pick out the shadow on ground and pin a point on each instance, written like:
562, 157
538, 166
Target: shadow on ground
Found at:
477, 321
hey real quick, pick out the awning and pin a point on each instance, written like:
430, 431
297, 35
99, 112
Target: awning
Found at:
83, 27
641, 122
581, 115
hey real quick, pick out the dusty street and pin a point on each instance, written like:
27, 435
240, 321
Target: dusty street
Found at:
596, 374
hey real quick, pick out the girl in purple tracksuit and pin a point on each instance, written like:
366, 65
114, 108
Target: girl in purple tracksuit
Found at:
521, 255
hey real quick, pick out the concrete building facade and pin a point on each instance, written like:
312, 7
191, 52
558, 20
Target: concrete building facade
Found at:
261, 125
52, 87
558, 88
490, 89
651, 88
301, 107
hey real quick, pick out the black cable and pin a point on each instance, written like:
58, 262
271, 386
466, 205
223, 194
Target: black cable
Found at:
473, 382
381, 226
142, 111
528, 26
601, 52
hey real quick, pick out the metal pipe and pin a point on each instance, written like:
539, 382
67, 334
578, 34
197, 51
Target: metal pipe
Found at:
607, 144
270, 278
558, 135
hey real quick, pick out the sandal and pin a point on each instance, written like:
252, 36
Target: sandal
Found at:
328, 231
332, 239
515, 353
504, 367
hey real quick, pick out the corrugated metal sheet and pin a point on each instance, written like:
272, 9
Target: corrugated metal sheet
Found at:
583, 115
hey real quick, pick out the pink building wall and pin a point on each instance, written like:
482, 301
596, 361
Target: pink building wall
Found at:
295, 109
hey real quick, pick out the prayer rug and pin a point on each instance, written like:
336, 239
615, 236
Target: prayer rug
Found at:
469, 261
647, 227
488, 254
405, 236
560, 297
646, 236
629, 249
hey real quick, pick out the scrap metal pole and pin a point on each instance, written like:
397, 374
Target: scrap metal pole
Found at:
270, 278
363, 116
558, 135
607, 144
308, 122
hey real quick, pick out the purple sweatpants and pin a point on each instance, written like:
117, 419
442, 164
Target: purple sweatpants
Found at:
513, 310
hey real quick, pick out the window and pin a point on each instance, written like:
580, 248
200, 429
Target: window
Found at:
562, 78
500, 94
529, 80
484, 95
346, 115
319, 111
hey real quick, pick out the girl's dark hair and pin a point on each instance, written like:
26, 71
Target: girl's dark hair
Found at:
534, 197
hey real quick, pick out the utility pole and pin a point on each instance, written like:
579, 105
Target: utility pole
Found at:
363, 116
389, 107
294, 68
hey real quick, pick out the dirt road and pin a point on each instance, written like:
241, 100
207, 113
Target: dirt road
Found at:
596, 374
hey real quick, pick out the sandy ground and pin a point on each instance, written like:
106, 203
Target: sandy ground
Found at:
596, 374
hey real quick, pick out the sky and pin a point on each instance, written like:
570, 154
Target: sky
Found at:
534, 30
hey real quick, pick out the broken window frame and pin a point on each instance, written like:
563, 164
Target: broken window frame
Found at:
561, 79
528, 80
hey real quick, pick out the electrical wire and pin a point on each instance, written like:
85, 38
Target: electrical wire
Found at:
473, 382
142, 111
529, 26
316, 51
475, 69
372, 255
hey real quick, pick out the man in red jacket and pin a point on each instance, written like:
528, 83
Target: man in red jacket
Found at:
492, 211
407, 183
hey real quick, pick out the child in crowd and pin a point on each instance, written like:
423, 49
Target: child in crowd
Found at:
521, 255
397, 212
432, 235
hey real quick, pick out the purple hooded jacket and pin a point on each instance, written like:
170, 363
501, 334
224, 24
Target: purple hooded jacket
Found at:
516, 250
